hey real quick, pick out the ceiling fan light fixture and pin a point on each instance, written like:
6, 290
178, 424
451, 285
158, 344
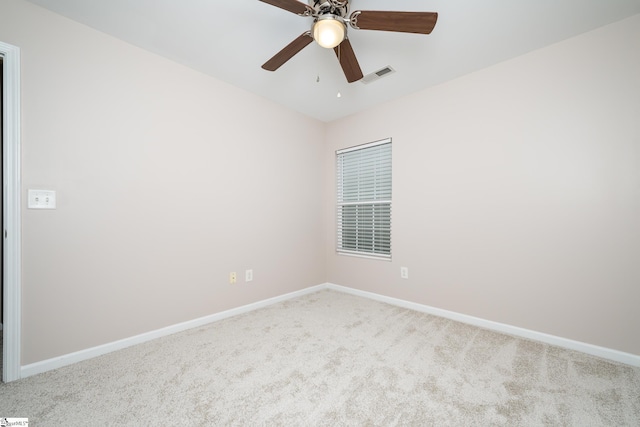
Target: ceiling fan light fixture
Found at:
329, 31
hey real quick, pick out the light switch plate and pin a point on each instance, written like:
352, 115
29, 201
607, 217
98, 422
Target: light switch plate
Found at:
41, 199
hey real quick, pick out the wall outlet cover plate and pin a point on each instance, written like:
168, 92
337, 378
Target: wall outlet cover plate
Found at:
41, 199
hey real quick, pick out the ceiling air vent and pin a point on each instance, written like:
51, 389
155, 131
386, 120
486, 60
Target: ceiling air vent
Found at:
383, 72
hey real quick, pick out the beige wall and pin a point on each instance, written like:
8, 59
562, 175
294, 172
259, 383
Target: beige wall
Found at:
166, 180
516, 191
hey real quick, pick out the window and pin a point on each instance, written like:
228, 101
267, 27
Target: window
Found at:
364, 199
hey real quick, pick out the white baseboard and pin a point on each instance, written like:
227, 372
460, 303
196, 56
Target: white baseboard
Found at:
68, 359
594, 350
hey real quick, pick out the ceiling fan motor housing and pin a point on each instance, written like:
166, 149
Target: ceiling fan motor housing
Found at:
330, 7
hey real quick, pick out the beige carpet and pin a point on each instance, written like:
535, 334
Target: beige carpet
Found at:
332, 359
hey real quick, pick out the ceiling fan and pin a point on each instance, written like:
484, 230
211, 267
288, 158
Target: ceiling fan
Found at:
329, 29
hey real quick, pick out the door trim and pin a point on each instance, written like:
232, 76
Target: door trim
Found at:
11, 206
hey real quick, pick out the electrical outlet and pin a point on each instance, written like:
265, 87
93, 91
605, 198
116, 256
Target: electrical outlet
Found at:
248, 275
404, 272
232, 277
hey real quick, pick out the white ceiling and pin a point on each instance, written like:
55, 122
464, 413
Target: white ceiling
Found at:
230, 40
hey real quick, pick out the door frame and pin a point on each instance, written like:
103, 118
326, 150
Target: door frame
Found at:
11, 207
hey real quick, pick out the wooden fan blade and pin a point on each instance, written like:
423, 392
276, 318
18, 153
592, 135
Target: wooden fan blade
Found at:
288, 52
348, 61
402, 22
293, 6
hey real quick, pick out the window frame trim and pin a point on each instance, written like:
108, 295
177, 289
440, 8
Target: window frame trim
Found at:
347, 252
363, 146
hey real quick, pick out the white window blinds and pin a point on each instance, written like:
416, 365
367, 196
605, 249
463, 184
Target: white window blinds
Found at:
364, 199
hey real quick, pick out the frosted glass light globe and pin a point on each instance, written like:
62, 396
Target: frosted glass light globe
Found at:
328, 32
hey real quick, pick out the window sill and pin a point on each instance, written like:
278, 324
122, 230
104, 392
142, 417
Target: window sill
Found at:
361, 255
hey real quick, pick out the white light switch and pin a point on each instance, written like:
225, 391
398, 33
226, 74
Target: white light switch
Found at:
42, 199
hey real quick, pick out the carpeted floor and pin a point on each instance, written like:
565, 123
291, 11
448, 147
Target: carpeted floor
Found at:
331, 358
